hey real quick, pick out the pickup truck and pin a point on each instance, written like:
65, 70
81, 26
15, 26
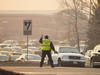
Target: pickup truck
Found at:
68, 56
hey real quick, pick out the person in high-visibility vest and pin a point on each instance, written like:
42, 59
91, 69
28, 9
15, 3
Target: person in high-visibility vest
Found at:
46, 48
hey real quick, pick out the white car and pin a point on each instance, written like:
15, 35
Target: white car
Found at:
69, 56
9, 43
16, 48
14, 56
55, 59
9, 49
29, 58
88, 58
4, 53
2, 45
24, 51
4, 57
93, 57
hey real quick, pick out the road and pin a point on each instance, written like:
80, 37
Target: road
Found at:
54, 71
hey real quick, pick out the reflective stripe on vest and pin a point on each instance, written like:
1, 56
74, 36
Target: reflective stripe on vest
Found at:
46, 45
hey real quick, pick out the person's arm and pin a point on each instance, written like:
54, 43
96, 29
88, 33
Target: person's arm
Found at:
53, 48
41, 39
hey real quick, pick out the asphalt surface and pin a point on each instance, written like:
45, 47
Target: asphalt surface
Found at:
53, 71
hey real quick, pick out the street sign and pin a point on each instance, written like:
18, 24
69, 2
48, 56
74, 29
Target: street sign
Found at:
27, 27
27, 30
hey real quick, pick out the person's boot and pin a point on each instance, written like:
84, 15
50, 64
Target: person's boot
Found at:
52, 65
41, 64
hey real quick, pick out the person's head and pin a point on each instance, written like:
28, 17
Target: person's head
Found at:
46, 36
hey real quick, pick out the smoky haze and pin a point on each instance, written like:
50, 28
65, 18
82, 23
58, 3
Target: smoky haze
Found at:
57, 26
28, 5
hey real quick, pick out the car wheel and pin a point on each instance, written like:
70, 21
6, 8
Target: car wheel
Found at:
59, 62
19, 61
22, 59
92, 64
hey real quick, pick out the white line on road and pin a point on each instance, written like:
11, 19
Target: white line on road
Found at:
37, 73
58, 73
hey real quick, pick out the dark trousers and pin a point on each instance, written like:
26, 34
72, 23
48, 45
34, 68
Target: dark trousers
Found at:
48, 53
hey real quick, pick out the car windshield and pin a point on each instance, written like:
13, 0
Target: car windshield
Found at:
33, 57
25, 52
7, 42
6, 49
68, 50
3, 58
17, 49
5, 53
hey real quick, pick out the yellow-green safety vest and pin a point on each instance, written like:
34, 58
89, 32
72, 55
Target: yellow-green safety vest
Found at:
46, 45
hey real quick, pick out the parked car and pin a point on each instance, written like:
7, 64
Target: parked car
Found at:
3, 57
4, 53
34, 42
88, 57
29, 58
2, 45
24, 51
14, 55
16, 48
33, 48
9, 49
94, 57
69, 56
9, 43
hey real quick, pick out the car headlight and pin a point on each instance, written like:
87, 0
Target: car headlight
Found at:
82, 58
65, 57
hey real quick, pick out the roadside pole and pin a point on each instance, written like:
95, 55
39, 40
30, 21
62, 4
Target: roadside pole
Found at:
27, 32
27, 46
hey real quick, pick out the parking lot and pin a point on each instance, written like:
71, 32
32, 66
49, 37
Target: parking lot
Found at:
16, 54
54, 71
66, 30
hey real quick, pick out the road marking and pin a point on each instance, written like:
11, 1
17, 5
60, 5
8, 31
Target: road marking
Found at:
57, 73
38, 73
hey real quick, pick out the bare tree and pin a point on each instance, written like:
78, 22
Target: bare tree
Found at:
76, 20
86, 7
94, 25
76, 6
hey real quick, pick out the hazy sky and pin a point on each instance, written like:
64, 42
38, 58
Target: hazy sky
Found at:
29, 5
